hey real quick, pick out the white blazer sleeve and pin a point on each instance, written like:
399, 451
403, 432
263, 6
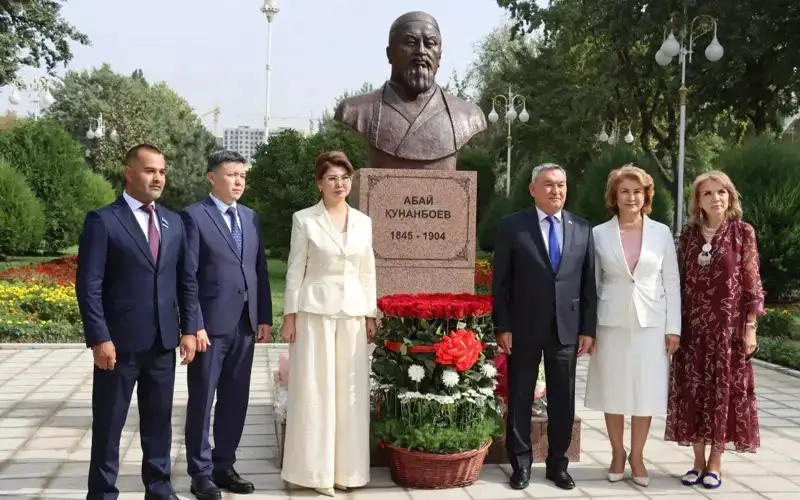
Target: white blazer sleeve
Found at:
670, 276
366, 274
598, 271
296, 266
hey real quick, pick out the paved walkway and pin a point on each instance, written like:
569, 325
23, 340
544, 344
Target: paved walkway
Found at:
45, 417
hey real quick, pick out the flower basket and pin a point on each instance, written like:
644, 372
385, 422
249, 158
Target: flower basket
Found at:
434, 387
414, 469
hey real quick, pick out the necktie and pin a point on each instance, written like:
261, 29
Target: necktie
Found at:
236, 231
152, 230
552, 244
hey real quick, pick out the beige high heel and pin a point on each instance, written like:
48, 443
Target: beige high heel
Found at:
328, 492
615, 477
643, 481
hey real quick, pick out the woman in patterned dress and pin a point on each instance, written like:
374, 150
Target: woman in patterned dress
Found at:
712, 401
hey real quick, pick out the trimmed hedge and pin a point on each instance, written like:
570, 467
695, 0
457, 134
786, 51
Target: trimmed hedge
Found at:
21, 214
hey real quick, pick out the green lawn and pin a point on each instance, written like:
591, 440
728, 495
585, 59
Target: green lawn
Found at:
277, 281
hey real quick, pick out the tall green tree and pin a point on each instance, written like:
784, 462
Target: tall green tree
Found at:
33, 33
139, 112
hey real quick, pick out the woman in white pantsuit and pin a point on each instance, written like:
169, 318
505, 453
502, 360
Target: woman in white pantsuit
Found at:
638, 318
329, 318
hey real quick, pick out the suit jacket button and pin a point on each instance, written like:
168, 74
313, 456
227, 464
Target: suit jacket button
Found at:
241, 291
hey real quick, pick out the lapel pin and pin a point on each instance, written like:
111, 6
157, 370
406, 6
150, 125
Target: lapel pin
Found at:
164, 223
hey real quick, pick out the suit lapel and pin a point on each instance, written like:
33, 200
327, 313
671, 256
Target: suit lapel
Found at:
325, 222
569, 237
125, 215
248, 231
216, 216
166, 235
535, 230
619, 250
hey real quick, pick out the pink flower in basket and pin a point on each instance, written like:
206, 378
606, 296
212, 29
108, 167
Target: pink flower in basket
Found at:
501, 364
282, 375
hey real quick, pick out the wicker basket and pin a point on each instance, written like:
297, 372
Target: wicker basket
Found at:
416, 469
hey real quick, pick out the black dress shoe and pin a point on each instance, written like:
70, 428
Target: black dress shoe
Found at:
230, 480
520, 479
562, 479
205, 489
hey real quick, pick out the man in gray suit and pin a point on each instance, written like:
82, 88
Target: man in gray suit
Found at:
545, 305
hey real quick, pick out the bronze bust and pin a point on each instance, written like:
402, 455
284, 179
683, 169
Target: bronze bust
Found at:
410, 122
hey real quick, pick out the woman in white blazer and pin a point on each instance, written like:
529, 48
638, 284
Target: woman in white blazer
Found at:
638, 318
329, 318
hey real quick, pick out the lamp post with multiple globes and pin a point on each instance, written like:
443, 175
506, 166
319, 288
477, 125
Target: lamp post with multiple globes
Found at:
270, 10
510, 103
99, 130
613, 138
38, 90
683, 48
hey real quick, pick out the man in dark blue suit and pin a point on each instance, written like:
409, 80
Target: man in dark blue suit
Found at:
226, 253
132, 288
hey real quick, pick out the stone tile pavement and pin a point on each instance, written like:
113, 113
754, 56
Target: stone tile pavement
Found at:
45, 419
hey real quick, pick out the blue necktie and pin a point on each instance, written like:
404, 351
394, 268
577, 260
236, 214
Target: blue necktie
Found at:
552, 244
236, 231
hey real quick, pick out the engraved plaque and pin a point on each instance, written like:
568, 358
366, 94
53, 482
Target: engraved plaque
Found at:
423, 228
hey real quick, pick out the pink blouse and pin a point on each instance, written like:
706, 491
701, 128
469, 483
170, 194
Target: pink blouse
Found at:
631, 247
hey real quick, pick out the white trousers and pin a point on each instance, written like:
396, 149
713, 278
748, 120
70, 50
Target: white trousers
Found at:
327, 412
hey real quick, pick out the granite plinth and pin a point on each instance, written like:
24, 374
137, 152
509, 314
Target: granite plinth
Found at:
497, 451
423, 228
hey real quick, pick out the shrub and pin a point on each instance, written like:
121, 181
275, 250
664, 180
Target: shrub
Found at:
97, 192
21, 214
767, 175
779, 323
52, 163
487, 228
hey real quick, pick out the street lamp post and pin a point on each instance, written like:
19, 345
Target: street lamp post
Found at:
509, 103
38, 90
612, 139
99, 130
269, 9
684, 48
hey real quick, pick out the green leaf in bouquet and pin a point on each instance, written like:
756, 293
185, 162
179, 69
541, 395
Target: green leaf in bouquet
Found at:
403, 349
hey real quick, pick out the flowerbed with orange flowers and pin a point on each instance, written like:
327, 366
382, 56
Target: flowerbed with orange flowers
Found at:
483, 276
432, 375
38, 304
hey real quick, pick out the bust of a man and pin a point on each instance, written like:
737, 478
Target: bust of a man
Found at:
410, 122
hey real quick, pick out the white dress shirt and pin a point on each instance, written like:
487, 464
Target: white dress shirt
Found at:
544, 225
142, 216
223, 207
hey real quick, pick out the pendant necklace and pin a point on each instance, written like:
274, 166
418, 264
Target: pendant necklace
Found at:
704, 258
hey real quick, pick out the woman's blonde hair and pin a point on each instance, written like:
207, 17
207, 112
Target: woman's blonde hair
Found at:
634, 173
734, 210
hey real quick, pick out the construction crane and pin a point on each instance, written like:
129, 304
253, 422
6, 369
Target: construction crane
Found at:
214, 112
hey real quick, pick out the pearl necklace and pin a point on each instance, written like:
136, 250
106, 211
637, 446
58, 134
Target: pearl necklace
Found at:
704, 258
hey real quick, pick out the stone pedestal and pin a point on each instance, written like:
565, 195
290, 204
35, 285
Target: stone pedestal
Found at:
497, 451
423, 228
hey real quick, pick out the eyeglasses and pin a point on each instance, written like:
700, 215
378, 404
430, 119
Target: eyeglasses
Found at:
335, 180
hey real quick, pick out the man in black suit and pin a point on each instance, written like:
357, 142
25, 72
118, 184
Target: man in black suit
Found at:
545, 305
132, 288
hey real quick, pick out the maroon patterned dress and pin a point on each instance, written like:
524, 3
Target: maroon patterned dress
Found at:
711, 390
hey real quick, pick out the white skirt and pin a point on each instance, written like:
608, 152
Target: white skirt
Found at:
629, 371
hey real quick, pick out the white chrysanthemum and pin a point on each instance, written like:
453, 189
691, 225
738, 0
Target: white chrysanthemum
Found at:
416, 373
488, 370
450, 378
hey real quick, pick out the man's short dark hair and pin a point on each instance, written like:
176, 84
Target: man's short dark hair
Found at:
133, 154
217, 158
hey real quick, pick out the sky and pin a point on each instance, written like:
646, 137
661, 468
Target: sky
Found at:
214, 52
